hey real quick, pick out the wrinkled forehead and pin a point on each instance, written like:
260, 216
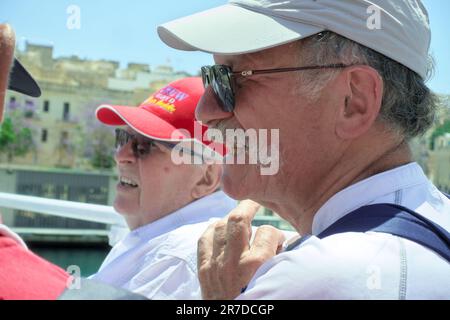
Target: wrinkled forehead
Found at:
285, 54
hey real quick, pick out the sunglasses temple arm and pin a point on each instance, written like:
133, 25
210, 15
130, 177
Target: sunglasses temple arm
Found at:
192, 152
247, 73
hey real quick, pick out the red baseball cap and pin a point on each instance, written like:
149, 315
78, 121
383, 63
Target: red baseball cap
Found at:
167, 115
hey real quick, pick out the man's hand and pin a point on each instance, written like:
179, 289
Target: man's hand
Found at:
226, 259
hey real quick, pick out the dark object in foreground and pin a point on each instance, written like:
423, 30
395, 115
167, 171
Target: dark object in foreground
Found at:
94, 290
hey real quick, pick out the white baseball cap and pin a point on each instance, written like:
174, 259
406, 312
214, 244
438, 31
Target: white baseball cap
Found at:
398, 29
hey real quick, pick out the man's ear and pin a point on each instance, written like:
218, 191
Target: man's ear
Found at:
208, 182
361, 105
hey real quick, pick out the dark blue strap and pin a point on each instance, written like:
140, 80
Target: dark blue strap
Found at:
294, 243
393, 219
396, 220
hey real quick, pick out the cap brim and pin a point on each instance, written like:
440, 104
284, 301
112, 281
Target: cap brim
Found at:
230, 29
21, 81
149, 125
140, 120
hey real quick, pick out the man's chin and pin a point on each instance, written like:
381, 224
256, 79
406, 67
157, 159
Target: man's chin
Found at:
123, 208
236, 182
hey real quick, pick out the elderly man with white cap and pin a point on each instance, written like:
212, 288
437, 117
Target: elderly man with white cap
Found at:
344, 82
167, 204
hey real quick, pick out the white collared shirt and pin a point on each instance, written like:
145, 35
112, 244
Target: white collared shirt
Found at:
363, 265
159, 260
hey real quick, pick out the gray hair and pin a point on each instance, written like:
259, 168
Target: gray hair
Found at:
408, 107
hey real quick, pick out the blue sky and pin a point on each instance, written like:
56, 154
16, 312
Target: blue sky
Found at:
125, 31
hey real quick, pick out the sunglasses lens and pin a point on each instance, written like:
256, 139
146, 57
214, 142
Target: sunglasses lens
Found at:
222, 87
140, 148
121, 138
206, 76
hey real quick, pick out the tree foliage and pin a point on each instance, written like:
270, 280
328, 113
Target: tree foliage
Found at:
97, 140
16, 139
439, 131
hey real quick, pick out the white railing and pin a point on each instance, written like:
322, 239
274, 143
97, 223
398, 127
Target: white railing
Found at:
85, 211
62, 208
68, 209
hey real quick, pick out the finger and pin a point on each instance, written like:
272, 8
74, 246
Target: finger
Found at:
220, 238
239, 229
205, 246
265, 245
245, 212
209, 250
7, 41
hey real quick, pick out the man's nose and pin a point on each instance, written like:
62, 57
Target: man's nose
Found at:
208, 108
124, 154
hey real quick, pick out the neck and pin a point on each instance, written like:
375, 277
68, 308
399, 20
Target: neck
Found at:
300, 203
137, 220
134, 222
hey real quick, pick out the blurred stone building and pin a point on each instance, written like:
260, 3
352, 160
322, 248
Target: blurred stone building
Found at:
440, 163
435, 162
71, 90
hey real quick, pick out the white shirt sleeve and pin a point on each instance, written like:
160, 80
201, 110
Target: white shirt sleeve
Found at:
166, 278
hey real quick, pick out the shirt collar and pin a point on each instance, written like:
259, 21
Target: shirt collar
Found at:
215, 205
366, 192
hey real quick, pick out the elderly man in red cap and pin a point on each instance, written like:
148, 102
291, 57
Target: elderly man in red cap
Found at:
167, 205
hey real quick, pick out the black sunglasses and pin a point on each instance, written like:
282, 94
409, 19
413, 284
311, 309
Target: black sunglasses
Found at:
140, 145
222, 79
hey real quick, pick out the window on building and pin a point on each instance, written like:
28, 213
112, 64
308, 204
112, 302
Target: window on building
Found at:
13, 103
46, 106
66, 112
44, 135
30, 107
